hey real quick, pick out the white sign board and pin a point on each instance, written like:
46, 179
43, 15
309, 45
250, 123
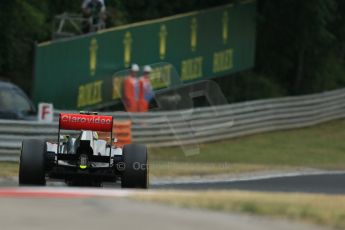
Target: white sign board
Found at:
45, 112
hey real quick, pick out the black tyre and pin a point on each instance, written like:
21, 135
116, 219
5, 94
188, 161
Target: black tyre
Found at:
135, 174
32, 163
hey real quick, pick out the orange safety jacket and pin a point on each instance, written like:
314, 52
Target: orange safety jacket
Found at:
145, 94
130, 94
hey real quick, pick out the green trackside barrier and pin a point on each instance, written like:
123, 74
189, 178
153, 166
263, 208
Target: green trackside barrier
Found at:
79, 73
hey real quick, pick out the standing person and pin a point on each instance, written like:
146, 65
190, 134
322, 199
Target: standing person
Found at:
130, 90
95, 11
145, 90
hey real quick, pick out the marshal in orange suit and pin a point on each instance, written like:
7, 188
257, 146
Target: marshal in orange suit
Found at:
145, 90
130, 92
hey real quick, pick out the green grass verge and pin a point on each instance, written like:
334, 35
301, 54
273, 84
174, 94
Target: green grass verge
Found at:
321, 146
9, 169
319, 209
166, 169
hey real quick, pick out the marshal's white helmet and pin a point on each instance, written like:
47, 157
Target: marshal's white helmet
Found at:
135, 68
147, 69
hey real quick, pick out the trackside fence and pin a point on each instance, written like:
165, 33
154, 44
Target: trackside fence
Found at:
199, 125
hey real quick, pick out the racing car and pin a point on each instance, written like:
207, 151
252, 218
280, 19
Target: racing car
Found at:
82, 158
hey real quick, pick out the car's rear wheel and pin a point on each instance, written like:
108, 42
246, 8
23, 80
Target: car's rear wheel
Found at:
135, 170
32, 163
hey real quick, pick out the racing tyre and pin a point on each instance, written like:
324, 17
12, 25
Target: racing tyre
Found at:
135, 174
32, 163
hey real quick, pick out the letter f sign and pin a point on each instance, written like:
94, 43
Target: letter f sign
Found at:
45, 112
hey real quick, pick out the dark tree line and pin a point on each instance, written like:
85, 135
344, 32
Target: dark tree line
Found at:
300, 50
300, 44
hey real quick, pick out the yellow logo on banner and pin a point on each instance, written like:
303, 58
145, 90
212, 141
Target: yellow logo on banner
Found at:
223, 60
163, 41
225, 27
127, 42
192, 68
194, 34
90, 94
93, 56
117, 87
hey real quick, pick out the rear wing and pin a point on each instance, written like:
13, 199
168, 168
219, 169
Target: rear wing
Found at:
89, 122
85, 122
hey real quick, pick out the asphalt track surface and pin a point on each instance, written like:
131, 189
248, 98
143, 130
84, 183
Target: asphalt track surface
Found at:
120, 213
319, 183
325, 183
59, 207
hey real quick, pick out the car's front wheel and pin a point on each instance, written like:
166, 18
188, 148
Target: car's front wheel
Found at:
135, 170
32, 163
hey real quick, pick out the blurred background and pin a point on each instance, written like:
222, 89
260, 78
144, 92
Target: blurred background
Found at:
244, 109
299, 44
